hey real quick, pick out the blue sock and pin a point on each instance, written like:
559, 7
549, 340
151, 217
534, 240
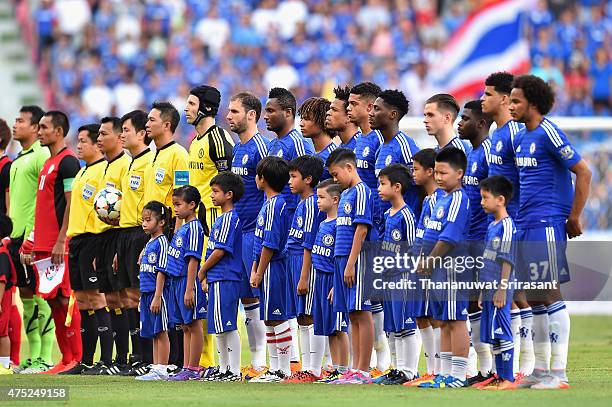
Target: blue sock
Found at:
504, 364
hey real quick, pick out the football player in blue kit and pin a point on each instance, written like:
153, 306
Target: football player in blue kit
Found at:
312, 124
550, 206
337, 119
440, 112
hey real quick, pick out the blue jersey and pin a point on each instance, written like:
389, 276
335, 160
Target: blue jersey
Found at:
544, 157
501, 159
352, 143
323, 249
154, 260
399, 150
400, 230
288, 147
449, 223
355, 207
187, 242
306, 220
272, 228
366, 148
429, 203
323, 154
226, 234
499, 247
477, 170
457, 143
244, 163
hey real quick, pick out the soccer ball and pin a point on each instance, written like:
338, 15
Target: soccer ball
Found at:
107, 203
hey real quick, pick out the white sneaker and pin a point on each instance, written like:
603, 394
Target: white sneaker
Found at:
551, 383
153, 375
270, 377
533, 379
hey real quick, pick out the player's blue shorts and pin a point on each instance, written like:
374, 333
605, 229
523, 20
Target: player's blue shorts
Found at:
246, 291
326, 321
276, 305
495, 323
223, 297
303, 303
179, 314
396, 306
541, 253
418, 298
350, 299
151, 324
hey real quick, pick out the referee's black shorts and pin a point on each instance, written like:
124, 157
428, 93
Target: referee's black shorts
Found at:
109, 278
130, 243
82, 251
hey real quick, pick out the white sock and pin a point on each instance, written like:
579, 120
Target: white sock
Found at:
256, 332
233, 351
459, 367
527, 356
400, 363
295, 343
483, 350
222, 351
412, 351
271, 337
559, 337
5, 361
515, 324
328, 358
392, 349
317, 349
541, 338
284, 343
446, 363
304, 331
428, 346
437, 357
381, 345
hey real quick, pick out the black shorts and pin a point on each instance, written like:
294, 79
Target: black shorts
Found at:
26, 275
130, 242
109, 278
82, 251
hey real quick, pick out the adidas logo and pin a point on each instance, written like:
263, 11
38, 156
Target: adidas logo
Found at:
367, 302
203, 309
276, 312
134, 331
343, 324
499, 331
102, 328
229, 323
93, 279
464, 312
408, 321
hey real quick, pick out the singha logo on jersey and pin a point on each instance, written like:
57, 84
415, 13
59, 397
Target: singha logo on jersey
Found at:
496, 242
159, 175
532, 148
440, 212
347, 207
499, 146
474, 167
152, 258
299, 221
280, 154
396, 235
216, 234
366, 151
388, 160
245, 159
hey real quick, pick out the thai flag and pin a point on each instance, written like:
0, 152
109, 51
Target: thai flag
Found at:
490, 40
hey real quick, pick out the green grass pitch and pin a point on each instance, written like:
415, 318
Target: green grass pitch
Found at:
590, 373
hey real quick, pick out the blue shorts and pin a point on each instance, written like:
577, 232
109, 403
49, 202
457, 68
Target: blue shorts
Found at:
151, 324
419, 298
303, 303
275, 303
179, 314
398, 310
223, 297
350, 299
495, 323
246, 291
326, 321
541, 253
450, 303
449, 310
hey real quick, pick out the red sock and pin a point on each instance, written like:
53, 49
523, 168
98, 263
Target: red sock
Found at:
59, 317
74, 335
15, 334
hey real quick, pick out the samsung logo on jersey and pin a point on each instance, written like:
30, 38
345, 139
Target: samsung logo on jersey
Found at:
296, 233
321, 251
259, 233
490, 254
420, 233
495, 159
344, 221
526, 162
211, 245
470, 180
434, 225
147, 268
174, 252
362, 164
194, 165
240, 171
390, 247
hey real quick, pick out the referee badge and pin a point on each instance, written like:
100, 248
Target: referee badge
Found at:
135, 181
88, 192
440, 212
159, 175
245, 159
347, 207
152, 258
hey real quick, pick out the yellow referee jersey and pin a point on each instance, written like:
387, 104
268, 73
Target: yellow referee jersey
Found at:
88, 181
209, 154
113, 176
132, 188
167, 170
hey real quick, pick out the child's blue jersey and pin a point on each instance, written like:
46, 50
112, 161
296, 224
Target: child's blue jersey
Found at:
304, 226
477, 170
499, 247
400, 230
456, 142
501, 159
288, 147
544, 157
226, 234
187, 242
352, 143
244, 163
323, 154
449, 223
323, 249
355, 207
429, 203
154, 260
399, 150
272, 228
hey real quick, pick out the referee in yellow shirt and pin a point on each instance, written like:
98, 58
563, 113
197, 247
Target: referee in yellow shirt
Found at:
210, 153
